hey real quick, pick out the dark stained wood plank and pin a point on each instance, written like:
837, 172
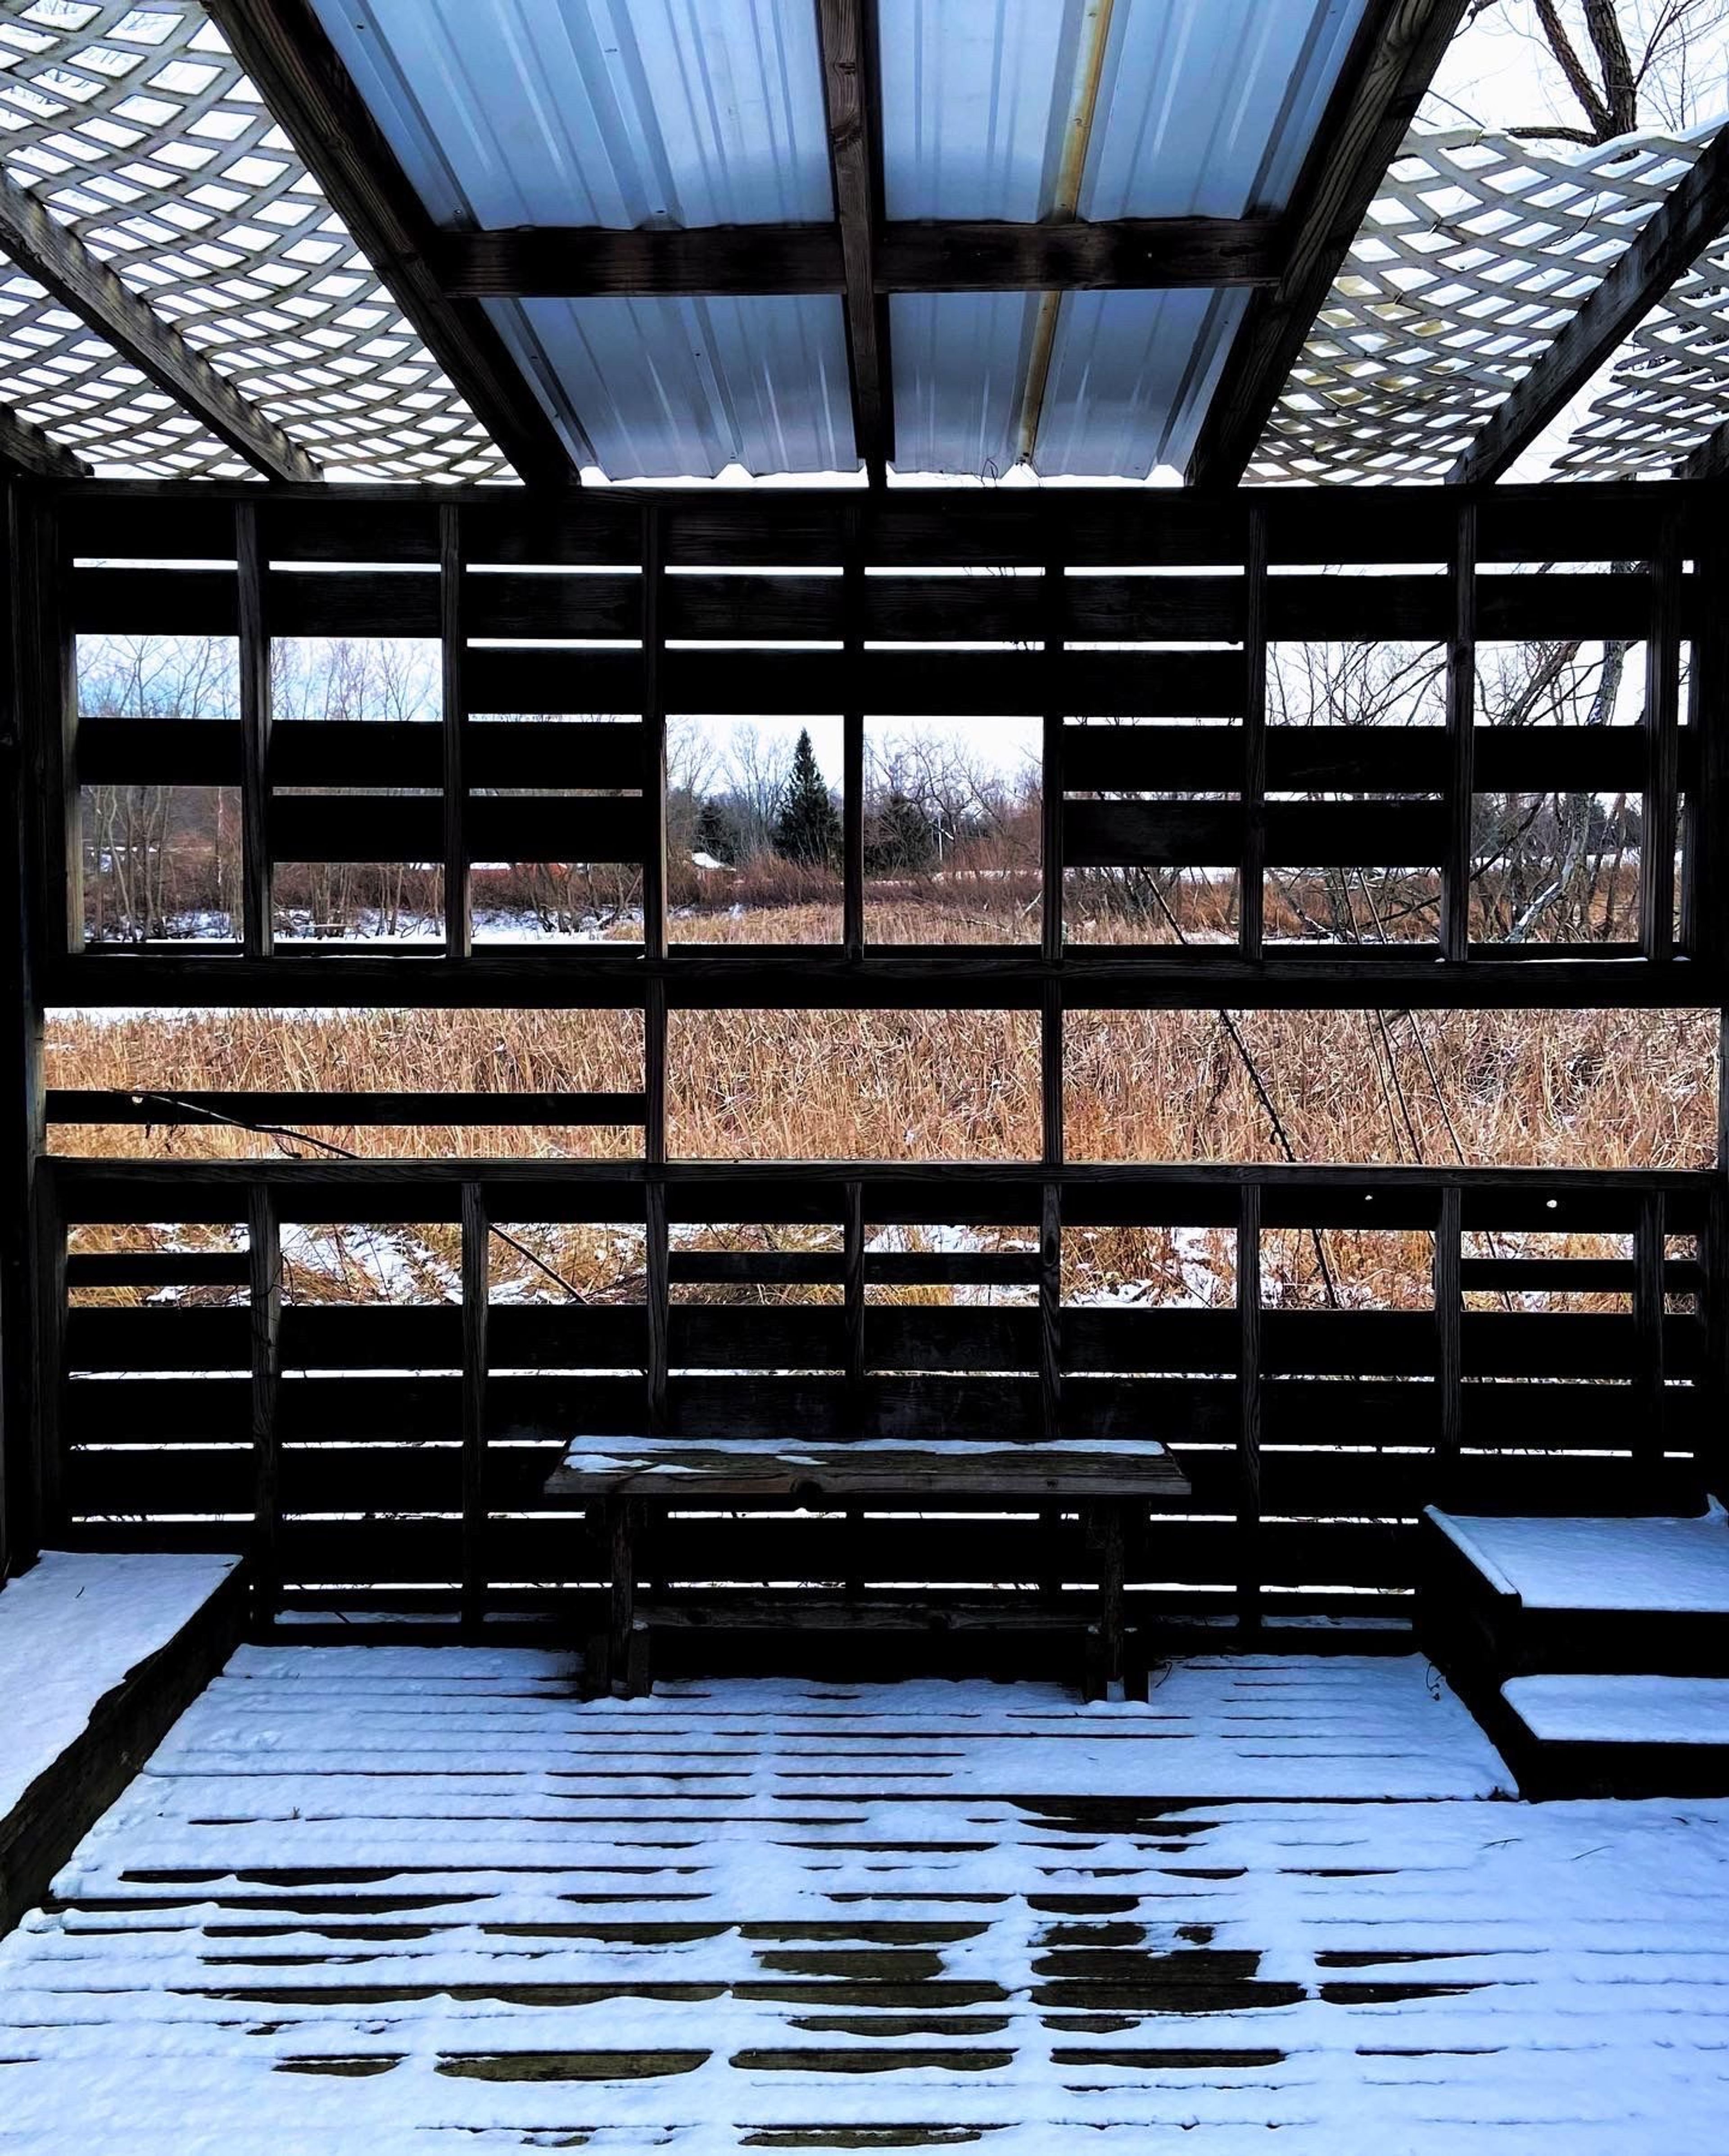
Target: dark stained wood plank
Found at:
263, 1244
1252, 863
1395, 53
26, 451
1163, 254
453, 648
1691, 217
50, 252
1461, 742
284, 48
844, 31
1450, 1276
811, 1473
1248, 1406
1659, 811
257, 898
476, 1303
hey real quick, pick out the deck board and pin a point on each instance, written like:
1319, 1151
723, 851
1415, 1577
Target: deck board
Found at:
415, 1899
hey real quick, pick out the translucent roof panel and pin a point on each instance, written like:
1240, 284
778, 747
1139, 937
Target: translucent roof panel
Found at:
680, 388
1131, 374
1203, 107
600, 112
1126, 386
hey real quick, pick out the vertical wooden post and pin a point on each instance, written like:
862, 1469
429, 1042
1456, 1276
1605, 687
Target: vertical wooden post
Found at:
1461, 741
1249, 1418
657, 1268
853, 1294
257, 927
1050, 778
51, 733
1658, 813
458, 919
1449, 1338
1705, 907
264, 1269
852, 723
1252, 867
1650, 1431
476, 1298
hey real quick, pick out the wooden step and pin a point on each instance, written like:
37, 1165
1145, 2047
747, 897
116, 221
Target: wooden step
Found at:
1618, 1736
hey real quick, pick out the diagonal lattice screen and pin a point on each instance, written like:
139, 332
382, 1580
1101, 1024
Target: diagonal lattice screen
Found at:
1670, 386
137, 127
1474, 255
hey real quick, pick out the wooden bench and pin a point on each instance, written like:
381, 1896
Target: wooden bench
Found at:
625, 1479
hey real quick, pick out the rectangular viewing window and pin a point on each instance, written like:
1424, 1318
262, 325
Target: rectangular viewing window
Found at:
753, 827
840, 1084
554, 1082
1510, 1088
160, 863
952, 830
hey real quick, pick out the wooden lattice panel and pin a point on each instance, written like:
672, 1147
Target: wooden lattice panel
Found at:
1474, 257
138, 129
1670, 388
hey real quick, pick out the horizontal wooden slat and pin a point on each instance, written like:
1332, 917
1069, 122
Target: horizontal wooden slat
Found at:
156, 1268
755, 1268
1377, 834
951, 1269
71, 1105
305, 827
909, 1338
1517, 1416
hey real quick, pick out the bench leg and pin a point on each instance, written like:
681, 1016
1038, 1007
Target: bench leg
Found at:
1106, 1677
626, 1652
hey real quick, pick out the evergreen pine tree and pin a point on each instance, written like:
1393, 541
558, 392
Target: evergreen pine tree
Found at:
807, 829
717, 834
902, 837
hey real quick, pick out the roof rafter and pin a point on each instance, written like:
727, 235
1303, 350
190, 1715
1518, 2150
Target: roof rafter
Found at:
1394, 58
738, 261
24, 449
844, 30
283, 47
1669, 242
46, 250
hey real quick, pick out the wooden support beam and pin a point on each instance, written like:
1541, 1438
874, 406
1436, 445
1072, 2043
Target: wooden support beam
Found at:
1448, 1278
283, 47
26, 452
852, 742
257, 906
1252, 866
1670, 242
972, 256
264, 1263
1659, 818
476, 1298
1650, 1432
1395, 53
1461, 741
46, 250
452, 643
844, 30
1249, 1404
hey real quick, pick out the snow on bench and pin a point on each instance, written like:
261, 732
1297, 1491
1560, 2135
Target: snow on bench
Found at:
1622, 1710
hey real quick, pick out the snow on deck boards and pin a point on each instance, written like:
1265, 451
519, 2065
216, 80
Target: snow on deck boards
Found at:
403, 1899
71, 1630
1654, 1564
1622, 1710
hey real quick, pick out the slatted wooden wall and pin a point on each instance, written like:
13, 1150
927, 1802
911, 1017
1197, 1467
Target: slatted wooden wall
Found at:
379, 1455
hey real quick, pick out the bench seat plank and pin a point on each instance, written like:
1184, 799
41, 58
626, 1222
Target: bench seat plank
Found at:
668, 1468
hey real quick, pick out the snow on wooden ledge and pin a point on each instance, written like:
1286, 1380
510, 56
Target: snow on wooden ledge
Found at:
71, 1630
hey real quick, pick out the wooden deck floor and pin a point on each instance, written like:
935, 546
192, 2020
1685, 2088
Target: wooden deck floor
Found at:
388, 1899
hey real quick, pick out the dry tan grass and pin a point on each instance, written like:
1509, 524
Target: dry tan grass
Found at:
1610, 1089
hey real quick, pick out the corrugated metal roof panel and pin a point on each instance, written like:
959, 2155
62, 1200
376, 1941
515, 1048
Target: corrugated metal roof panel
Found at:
608, 112
960, 361
1131, 376
679, 388
1204, 107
